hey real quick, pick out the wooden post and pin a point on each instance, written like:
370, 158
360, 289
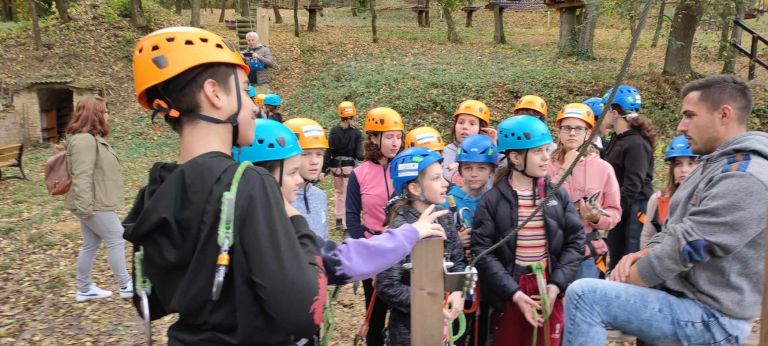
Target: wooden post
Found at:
427, 290
752, 58
262, 24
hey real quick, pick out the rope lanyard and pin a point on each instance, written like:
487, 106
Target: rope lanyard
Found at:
225, 236
585, 146
329, 319
538, 270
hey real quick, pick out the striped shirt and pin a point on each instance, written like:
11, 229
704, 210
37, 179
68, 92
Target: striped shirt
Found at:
532, 239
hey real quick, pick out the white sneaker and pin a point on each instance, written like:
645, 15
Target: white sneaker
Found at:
93, 292
127, 292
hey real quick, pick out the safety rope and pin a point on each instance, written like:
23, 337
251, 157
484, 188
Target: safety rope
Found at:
143, 289
329, 318
585, 146
538, 270
225, 237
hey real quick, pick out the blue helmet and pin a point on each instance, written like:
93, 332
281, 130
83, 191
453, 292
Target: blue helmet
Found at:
478, 148
627, 97
408, 164
596, 104
251, 91
272, 100
272, 141
522, 132
679, 147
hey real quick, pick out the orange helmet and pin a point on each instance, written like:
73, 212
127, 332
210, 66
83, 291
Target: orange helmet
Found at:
168, 52
474, 108
309, 133
260, 100
347, 110
424, 136
383, 119
532, 102
578, 111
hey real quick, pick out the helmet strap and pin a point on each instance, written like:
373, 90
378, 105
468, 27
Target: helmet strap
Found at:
280, 174
525, 165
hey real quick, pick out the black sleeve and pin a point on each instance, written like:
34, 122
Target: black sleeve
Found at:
636, 159
283, 257
492, 273
354, 206
572, 252
455, 250
359, 155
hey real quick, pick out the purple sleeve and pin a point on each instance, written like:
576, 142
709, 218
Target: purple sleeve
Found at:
358, 259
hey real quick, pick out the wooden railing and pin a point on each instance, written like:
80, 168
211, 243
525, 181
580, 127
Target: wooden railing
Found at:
754, 60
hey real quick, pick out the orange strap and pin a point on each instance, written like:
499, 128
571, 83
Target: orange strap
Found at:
363, 330
663, 208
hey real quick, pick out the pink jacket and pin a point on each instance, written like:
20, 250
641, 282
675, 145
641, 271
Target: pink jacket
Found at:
375, 188
593, 174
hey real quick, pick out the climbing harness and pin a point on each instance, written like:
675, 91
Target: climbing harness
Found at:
143, 289
225, 236
584, 148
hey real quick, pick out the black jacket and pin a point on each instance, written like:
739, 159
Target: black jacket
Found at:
393, 285
274, 290
344, 142
631, 156
497, 215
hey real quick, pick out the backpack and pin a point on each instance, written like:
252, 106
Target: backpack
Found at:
57, 177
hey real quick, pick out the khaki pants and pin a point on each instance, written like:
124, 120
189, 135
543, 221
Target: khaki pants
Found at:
340, 179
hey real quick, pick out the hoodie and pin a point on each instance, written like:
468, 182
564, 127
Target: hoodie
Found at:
313, 204
712, 246
275, 287
592, 174
631, 156
462, 200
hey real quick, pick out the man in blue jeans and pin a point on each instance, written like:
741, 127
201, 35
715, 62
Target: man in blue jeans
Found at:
705, 268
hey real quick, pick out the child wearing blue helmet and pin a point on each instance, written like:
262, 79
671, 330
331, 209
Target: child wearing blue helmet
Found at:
272, 104
597, 106
630, 152
681, 162
553, 240
277, 149
419, 184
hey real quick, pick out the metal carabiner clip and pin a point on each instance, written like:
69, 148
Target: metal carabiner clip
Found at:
145, 315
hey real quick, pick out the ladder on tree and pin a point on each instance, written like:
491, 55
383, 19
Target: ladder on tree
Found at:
244, 25
754, 59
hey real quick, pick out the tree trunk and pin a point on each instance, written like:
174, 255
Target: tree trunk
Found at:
586, 31
223, 10
420, 18
195, 19
427, 23
677, 61
137, 14
296, 18
278, 17
312, 23
659, 23
498, 25
61, 7
179, 5
35, 25
729, 67
354, 9
569, 35
453, 35
372, 6
7, 12
726, 20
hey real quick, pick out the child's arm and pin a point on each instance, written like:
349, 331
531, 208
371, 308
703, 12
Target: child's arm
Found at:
391, 290
493, 274
611, 201
649, 230
572, 252
358, 259
354, 205
285, 269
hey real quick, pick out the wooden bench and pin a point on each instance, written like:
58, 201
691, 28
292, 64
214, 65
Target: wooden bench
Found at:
10, 156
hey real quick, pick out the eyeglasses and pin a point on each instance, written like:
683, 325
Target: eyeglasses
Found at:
576, 129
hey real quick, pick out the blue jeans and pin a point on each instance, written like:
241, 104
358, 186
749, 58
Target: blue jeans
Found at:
588, 270
652, 315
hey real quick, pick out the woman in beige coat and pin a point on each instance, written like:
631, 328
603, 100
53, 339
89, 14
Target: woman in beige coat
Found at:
95, 195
